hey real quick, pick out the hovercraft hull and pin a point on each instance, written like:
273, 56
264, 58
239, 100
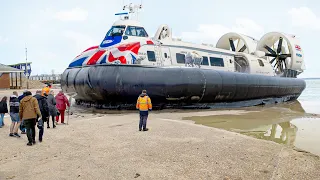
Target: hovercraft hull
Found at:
118, 85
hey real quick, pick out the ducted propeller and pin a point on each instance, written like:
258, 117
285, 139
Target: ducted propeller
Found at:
233, 48
278, 56
232, 45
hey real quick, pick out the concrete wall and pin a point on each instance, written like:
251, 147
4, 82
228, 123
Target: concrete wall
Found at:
5, 81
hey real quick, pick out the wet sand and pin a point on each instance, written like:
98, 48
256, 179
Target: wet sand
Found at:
108, 146
101, 144
286, 123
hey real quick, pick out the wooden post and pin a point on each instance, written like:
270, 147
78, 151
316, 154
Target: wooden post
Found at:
20, 80
16, 80
11, 74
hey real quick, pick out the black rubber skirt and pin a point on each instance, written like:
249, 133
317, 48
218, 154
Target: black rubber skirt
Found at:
122, 84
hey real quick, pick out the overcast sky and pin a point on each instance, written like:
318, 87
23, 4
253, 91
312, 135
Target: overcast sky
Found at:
56, 31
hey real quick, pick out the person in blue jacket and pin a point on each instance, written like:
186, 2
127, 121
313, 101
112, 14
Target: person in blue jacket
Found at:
22, 127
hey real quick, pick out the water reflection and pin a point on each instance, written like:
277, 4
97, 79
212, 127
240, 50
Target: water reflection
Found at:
287, 135
271, 123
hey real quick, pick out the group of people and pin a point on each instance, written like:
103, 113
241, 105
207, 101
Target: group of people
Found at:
27, 111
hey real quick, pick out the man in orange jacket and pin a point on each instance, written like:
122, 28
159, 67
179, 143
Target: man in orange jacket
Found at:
46, 90
144, 105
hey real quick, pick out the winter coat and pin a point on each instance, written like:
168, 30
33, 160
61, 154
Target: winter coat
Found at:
14, 104
43, 105
62, 101
29, 108
21, 97
3, 107
52, 105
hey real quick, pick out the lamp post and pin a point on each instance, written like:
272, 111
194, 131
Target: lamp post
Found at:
27, 68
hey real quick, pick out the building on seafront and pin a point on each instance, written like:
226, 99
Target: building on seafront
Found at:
25, 67
10, 78
52, 78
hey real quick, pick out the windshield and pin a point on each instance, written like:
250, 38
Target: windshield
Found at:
116, 31
136, 31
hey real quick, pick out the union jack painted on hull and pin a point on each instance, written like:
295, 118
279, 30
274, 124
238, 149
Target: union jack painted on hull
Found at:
120, 54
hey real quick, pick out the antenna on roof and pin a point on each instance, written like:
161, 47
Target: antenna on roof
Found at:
132, 9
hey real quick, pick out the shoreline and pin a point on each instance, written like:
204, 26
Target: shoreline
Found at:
109, 146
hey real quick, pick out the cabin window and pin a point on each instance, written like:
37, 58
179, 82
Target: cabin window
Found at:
260, 63
116, 31
165, 55
205, 61
214, 61
180, 58
136, 31
151, 56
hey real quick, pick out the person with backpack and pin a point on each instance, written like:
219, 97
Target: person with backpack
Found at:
22, 126
53, 111
14, 114
29, 112
3, 110
44, 109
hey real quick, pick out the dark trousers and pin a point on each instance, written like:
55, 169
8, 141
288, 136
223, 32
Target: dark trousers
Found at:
53, 119
41, 128
22, 127
143, 121
31, 129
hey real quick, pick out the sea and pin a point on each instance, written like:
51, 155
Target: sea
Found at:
295, 124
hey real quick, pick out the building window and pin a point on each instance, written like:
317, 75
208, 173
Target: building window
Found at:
165, 55
151, 56
180, 58
260, 63
216, 61
205, 61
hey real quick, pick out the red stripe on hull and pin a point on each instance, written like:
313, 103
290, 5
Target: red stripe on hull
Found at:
95, 57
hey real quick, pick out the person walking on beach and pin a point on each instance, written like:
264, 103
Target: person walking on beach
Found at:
46, 90
14, 114
22, 126
29, 112
62, 103
3, 110
44, 109
144, 105
52, 108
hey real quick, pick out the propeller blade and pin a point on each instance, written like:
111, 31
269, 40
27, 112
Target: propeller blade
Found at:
284, 56
244, 47
280, 66
232, 45
270, 55
285, 64
273, 60
279, 45
270, 50
275, 65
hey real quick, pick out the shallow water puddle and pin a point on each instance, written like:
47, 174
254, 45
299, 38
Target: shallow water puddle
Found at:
286, 124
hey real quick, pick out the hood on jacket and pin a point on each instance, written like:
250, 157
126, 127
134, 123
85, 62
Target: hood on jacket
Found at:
143, 95
27, 98
60, 94
39, 97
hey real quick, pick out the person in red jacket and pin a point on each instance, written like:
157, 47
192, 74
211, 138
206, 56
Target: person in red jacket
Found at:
62, 103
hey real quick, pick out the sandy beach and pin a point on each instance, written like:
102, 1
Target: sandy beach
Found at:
109, 146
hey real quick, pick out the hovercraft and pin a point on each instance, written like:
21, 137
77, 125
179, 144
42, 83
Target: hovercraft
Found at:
239, 71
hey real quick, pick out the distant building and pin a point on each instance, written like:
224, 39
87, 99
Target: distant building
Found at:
9, 77
46, 77
26, 67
